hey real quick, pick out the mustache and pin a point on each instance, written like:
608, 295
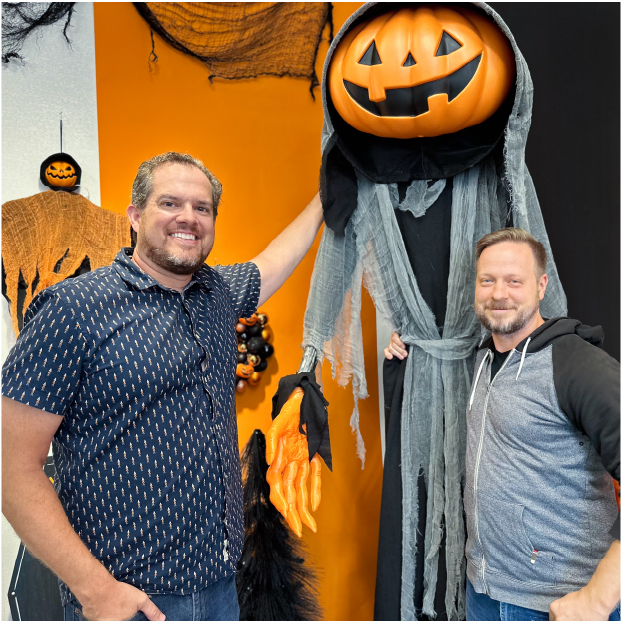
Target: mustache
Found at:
185, 229
498, 306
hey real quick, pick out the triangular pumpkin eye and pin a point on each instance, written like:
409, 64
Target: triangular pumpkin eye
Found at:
409, 61
53, 167
448, 45
371, 56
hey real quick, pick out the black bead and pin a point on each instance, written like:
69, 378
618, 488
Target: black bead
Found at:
267, 351
261, 366
254, 330
256, 344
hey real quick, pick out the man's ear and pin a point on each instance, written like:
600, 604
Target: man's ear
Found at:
543, 283
133, 213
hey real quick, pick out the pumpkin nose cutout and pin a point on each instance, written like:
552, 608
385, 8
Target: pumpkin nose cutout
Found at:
409, 61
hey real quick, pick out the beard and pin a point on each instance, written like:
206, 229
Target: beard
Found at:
520, 321
180, 265
172, 263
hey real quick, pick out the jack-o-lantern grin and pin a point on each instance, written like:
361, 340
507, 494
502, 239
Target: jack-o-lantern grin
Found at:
61, 175
412, 101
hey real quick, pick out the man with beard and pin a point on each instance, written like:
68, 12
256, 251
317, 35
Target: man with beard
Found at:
129, 372
543, 440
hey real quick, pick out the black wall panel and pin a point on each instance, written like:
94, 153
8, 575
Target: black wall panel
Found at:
572, 50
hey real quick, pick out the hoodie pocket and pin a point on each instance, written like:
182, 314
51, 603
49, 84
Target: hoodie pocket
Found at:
507, 547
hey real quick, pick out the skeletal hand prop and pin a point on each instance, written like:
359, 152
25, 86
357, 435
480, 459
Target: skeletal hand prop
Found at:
287, 455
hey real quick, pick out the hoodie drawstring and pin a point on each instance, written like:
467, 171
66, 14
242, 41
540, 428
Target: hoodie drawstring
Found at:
476, 381
523, 356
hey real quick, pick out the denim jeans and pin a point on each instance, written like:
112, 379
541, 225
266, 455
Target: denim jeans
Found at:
481, 607
217, 602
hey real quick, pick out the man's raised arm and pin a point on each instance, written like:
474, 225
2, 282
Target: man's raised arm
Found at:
277, 262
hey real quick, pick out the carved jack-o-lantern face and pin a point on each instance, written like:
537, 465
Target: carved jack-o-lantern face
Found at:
61, 174
423, 71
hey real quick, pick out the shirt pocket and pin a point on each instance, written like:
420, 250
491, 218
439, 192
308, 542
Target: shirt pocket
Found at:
507, 546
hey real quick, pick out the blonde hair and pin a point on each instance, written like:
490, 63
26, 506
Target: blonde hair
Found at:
516, 236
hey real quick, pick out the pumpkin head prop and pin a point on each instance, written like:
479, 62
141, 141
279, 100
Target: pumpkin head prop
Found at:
60, 172
421, 72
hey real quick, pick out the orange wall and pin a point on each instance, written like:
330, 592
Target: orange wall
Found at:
262, 138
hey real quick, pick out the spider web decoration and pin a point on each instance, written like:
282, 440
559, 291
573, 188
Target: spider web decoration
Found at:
20, 19
237, 40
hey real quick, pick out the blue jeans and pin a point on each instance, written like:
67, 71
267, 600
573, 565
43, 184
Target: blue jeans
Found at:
217, 602
481, 607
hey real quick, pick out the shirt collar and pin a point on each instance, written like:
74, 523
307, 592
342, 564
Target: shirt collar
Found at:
134, 276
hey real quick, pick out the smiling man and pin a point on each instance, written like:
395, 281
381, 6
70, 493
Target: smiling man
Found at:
129, 372
542, 446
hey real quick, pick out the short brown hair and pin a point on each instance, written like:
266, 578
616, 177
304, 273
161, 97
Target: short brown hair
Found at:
515, 236
143, 183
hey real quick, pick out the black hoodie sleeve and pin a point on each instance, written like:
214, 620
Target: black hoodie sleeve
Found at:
587, 386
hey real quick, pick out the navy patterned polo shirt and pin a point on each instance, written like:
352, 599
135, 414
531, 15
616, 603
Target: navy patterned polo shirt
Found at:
147, 453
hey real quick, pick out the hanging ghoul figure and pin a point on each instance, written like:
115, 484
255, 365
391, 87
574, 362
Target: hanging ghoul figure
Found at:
427, 110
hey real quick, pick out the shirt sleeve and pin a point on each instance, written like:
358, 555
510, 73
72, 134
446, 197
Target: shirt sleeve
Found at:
587, 386
243, 281
44, 367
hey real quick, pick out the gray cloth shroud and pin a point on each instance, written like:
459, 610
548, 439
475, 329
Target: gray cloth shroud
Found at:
439, 367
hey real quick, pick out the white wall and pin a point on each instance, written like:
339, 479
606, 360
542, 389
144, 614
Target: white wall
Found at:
53, 78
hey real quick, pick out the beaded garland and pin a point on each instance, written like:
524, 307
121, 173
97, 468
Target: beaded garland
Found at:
253, 350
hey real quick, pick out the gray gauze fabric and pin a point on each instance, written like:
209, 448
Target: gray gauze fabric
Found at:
439, 368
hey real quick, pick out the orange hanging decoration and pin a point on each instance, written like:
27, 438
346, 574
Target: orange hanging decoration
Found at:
287, 454
421, 72
253, 349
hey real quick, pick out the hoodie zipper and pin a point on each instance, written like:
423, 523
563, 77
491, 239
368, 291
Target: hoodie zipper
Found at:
476, 470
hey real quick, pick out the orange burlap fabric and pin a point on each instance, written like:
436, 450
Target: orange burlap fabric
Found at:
38, 231
243, 39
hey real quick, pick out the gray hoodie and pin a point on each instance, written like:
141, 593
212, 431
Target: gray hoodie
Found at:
543, 442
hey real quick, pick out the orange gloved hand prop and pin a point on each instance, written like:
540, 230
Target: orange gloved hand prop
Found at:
287, 454
300, 426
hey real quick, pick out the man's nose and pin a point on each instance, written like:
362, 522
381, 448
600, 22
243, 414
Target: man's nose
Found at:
499, 292
187, 214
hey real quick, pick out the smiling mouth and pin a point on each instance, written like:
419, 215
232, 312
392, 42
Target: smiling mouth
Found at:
404, 101
184, 236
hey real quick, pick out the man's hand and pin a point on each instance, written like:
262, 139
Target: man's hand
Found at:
576, 606
395, 348
31, 505
119, 601
597, 599
287, 454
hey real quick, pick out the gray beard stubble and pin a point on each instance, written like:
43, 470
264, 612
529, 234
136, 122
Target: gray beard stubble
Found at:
521, 320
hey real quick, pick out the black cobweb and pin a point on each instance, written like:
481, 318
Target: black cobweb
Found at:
20, 19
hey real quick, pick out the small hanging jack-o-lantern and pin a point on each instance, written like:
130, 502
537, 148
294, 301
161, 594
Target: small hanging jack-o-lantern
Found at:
60, 172
421, 72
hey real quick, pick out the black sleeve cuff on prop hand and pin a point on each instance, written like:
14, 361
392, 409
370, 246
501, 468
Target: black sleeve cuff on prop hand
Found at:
313, 413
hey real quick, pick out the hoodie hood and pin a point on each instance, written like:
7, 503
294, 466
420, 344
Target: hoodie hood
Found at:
554, 329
